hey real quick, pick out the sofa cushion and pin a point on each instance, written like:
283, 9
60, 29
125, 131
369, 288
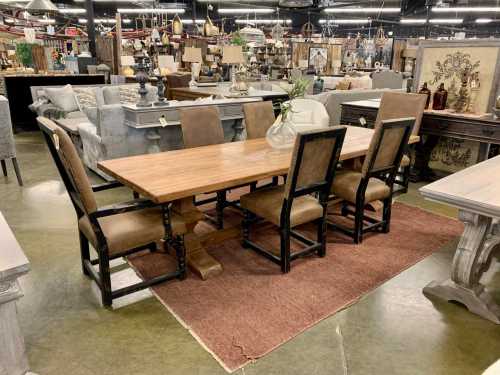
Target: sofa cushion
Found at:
62, 97
88, 97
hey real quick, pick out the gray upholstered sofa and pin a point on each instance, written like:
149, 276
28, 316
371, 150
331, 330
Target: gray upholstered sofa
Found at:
333, 100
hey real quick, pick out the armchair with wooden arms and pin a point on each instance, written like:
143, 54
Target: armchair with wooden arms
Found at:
114, 231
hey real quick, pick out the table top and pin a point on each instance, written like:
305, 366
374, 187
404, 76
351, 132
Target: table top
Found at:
476, 188
171, 175
174, 104
223, 89
375, 104
13, 262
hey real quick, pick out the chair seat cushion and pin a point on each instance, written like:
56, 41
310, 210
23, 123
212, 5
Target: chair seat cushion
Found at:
131, 229
267, 204
405, 161
346, 183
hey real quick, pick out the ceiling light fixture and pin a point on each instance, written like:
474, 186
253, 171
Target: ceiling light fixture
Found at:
347, 21
484, 20
190, 21
465, 9
449, 21
414, 21
49, 21
262, 21
362, 10
72, 10
245, 10
113, 1
150, 10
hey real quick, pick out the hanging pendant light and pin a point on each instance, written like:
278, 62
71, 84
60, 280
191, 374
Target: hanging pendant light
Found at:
41, 6
177, 25
296, 3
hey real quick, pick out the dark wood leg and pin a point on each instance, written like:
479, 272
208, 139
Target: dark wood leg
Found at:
84, 251
386, 215
245, 228
322, 236
285, 248
275, 180
18, 172
423, 151
105, 276
358, 222
219, 208
4, 167
180, 252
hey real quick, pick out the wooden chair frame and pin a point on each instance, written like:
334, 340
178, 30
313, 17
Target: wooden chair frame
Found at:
321, 189
103, 276
387, 174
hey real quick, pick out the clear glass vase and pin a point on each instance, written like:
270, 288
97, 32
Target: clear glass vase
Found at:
281, 134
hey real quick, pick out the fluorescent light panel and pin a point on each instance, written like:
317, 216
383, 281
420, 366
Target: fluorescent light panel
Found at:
190, 21
356, 21
362, 10
262, 21
72, 10
450, 21
465, 9
413, 21
484, 20
245, 10
104, 20
48, 21
150, 10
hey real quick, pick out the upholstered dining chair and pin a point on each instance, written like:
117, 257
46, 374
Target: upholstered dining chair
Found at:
201, 126
176, 80
375, 180
314, 161
7, 144
114, 231
394, 105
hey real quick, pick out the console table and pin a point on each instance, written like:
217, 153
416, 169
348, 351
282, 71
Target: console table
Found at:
475, 191
13, 264
435, 124
153, 118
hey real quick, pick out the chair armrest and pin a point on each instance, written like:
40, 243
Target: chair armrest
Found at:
106, 186
120, 208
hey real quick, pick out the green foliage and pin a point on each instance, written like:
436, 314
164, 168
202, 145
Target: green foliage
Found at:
24, 53
237, 39
298, 90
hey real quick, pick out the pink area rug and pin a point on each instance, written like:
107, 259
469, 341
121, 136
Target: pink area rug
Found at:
252, 308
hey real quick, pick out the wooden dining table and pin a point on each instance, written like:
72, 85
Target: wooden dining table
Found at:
176, 176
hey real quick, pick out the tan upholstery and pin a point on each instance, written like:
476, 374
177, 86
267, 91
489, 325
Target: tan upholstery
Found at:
390, 141
73, 164
201, 126
396, 105
314, 163
346, 185
267, 203
178, 80
259, 117
131, 229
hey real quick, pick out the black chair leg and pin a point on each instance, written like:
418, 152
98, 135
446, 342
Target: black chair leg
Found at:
85, 252
358, 222
105, 276
245, 228
219, 208
322, 236
180, 252
4, 167
275, 180
386, 215
285, 249
18, 172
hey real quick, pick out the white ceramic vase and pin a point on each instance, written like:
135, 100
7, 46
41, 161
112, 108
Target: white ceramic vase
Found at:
281, 134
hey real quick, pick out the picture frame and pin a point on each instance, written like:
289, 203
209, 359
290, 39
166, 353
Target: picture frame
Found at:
484, 52
318, 58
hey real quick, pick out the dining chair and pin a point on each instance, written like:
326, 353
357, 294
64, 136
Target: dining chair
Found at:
7, 143
259, 116
201, 126
394, 105
375, 180
302, 199
116, 230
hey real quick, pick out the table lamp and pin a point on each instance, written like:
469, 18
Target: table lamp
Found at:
193, 55
233, 55
127, 63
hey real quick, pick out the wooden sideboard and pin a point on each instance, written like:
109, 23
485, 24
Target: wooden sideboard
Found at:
435, 124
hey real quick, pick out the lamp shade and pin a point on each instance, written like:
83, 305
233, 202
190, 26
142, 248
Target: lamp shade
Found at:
232, 55
41, 6
192, 54
127, 60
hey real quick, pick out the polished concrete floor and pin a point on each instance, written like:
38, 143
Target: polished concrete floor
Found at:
393, 330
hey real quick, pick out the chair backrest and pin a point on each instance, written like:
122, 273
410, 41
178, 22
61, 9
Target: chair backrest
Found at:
7, 144
70, 166
178, 80
387, 146
315, 157
395, 105
259, 117
387, 79
201, 126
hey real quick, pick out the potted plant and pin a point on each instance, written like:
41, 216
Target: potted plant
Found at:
282, 133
